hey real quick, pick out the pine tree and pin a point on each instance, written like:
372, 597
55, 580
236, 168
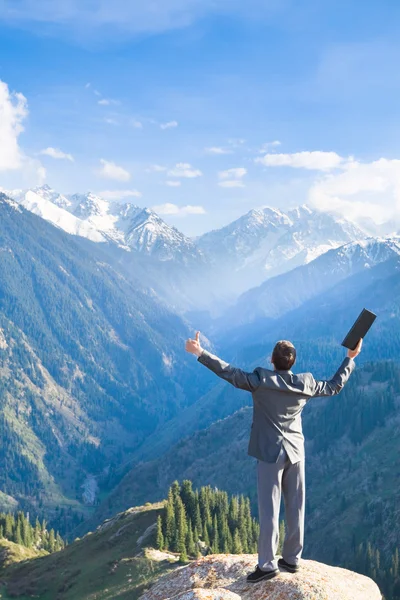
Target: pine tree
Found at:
188, 499
237, 543
181, 528
215, 536
51, 541
160, 536
197, 516
190, 545
169, 529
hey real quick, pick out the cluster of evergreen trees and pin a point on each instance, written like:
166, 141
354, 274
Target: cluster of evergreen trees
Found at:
206, 519
17, 528
386, 573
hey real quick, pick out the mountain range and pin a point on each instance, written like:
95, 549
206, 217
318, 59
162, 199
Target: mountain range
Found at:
100, 406
225, 263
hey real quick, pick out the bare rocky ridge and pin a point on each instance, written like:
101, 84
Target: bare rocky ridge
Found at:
223, 577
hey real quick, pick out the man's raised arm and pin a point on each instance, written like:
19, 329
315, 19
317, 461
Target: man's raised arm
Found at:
338, 381
237, 377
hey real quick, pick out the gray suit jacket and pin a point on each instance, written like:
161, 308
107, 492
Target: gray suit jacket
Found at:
278, 400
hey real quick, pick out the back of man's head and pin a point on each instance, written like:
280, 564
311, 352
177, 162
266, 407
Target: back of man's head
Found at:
283, 355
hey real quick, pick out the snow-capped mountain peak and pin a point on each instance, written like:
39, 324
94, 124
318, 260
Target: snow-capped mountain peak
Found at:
148, 233
60, 217
89, 205
46, 192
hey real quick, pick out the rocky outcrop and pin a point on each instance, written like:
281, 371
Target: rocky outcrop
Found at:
223, 577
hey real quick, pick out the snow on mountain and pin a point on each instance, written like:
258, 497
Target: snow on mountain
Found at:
58, 216
130, 227
5, 199
149, 234
99, 213
266, 242
46, 192
283, 293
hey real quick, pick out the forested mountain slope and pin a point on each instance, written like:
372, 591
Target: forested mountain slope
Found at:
352, 470
90, 364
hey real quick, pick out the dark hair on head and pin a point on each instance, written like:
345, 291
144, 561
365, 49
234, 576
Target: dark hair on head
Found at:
284, 355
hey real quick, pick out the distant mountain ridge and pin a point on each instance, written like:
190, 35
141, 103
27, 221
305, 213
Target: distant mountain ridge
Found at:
226, 262
286, 292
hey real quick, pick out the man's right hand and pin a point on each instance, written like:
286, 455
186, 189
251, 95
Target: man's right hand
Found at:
193, 346
356, 351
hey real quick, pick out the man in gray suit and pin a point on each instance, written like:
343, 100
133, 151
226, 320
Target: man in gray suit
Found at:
277, 442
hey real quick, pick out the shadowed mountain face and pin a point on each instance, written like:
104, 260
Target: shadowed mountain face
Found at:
91, 363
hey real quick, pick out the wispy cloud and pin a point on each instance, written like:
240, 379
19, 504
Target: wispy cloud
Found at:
231, 183
119, 194
111, 121
108, 102
169, 125
268, 146
173, 183
185, 171
232, 178
57, 154
156, 169
136, 124
110, 170
236, 173
218, 150
174, 209
315, 160
85, 16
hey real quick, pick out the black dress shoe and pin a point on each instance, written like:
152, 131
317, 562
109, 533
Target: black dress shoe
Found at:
260, 575
291, 568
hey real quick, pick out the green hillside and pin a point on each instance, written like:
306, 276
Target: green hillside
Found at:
108, 564
90, 364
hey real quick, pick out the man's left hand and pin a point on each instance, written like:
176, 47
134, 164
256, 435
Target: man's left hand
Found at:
193, 346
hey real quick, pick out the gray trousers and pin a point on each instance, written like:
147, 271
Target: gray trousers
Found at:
273, 479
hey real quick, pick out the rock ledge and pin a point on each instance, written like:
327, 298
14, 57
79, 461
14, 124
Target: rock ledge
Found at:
223, 577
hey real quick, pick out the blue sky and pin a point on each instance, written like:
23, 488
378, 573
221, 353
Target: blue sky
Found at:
204, 109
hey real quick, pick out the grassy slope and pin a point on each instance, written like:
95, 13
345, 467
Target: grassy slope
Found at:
11, 554
105, 565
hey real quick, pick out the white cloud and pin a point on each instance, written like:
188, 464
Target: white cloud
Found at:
184, 170
156, 169
13, 111
231, 183
119, 194
218, 150
169, 125
112, 171
316, 160
174, 209
57, 154
173, 183
96, 93
108, 102
236, 173
87, 86
360, 190
136, 124
111, 121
